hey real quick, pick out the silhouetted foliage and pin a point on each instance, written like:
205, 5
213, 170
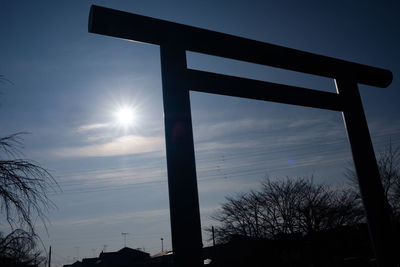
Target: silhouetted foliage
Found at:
290, 206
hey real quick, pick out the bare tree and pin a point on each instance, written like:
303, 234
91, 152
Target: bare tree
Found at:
389, 169
288, 206
238, 216
323, 207
19, 247
24, 186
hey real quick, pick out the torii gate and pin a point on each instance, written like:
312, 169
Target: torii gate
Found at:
174, 40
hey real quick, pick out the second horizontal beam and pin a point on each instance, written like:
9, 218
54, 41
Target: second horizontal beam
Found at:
208, 82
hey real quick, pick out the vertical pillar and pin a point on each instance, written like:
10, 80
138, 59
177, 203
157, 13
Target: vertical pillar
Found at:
375, 203
182, 181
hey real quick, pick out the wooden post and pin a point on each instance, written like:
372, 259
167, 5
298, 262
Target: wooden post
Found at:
375, 203
182, 181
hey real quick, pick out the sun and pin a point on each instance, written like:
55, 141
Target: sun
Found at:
124, 116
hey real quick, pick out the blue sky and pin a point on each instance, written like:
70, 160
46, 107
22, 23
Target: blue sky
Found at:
67, 84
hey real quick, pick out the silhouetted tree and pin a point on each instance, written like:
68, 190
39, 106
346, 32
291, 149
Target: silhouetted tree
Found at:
389, 169
288, 206
19, 248
24, 187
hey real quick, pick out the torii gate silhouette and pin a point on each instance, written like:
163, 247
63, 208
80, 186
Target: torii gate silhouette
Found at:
174, 40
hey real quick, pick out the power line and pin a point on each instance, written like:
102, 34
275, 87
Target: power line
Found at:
255, 164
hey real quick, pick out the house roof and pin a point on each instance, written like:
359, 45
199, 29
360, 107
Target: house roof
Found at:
160, 254
75, 264
126, 253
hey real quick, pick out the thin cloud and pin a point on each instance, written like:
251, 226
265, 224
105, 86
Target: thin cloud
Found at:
150, 215
147, 216
90, 127
126, 145
208, 131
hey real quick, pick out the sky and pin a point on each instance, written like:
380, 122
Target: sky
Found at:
65, 86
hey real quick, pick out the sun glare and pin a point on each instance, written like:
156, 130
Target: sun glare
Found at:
124, 116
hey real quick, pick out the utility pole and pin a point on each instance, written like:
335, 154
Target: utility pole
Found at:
162, 244
50, 257
256, 217
124, 234
214, 249
213, 235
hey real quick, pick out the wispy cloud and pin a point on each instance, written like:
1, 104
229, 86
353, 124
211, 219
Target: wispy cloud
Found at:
125, 145
214, 130
148, 215
270, 134
90, 127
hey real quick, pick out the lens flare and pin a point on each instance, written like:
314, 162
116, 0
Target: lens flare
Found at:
125, 116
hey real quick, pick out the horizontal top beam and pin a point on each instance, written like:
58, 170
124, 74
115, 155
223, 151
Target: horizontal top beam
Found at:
160, 32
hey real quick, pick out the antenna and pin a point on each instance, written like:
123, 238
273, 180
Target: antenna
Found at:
124, 234
77, 252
